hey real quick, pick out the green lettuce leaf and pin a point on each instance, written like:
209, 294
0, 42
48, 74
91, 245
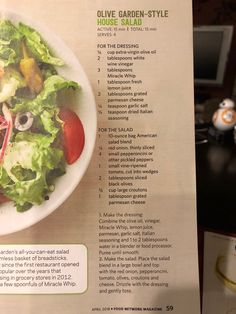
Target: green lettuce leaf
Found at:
27, 192
49, 123
24, 178
7, 56
48, 70
46, 99
5, 180
9, 43
10, 72
42, 140
8, 32
22, 174
37, 46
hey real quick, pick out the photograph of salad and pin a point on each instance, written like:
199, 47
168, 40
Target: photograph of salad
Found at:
39, 136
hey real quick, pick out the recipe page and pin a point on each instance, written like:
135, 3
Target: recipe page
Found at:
98, 208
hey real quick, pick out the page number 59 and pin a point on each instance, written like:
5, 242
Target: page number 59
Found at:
169, 308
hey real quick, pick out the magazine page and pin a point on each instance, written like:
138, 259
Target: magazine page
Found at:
219, 284
97, 160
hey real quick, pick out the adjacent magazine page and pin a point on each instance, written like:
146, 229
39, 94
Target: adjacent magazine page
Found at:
219, 274
97, 168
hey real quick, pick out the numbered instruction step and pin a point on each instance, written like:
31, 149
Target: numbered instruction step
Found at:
41, 269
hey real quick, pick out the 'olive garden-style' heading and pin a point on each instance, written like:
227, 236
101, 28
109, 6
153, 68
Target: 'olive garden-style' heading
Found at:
128, 17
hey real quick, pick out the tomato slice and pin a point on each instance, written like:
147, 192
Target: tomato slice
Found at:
73, 135
3, 198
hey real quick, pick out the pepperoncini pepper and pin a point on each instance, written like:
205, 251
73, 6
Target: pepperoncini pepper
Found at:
31, 72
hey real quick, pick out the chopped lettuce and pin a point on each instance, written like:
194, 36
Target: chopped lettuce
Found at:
48, 70
41, 140
5, 180
11, 37
12, 72
46, 99
49, 123
34, 157
23, 174
37, 46
25, 169
7, 56
9, 43
8, 32
30, 192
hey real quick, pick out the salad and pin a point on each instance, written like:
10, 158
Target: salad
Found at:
38, 136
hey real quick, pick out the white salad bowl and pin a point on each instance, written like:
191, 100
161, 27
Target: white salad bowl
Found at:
11, 220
